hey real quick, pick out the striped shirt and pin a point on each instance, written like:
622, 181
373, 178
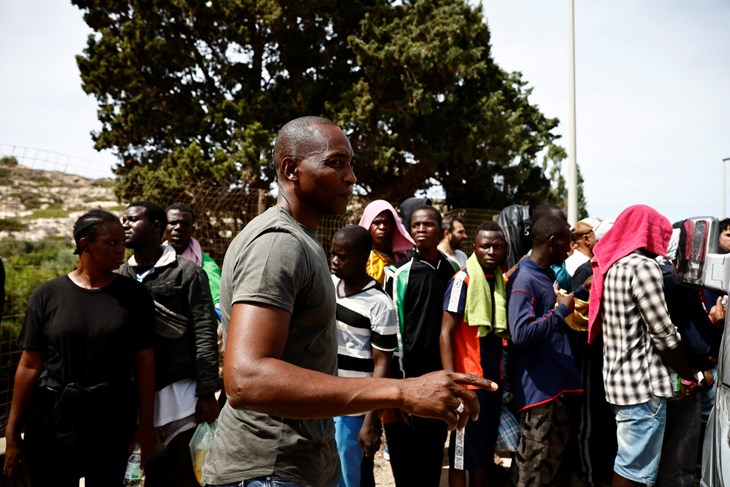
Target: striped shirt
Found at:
365, 319
636, 326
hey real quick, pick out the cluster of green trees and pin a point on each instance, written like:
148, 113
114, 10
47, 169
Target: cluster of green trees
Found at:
192, 92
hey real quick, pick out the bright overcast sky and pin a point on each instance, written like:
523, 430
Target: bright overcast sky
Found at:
652, 94
653, 91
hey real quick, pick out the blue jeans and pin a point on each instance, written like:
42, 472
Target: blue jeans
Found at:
269, 481
640, 433
351, 453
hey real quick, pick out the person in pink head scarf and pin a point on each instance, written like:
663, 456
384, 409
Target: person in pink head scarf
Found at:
641, 346
391, 240
637, 227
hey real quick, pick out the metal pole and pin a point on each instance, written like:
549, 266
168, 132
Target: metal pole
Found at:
572, 153
724, 186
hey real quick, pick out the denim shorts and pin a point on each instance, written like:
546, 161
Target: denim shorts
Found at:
639, 433
268, 481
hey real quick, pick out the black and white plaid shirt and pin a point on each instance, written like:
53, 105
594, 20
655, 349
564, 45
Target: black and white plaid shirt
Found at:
636, 325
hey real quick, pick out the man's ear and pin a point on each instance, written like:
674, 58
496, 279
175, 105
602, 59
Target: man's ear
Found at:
551, 242
290, 168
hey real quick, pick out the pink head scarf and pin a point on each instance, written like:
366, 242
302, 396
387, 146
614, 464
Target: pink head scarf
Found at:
402, 241
637, 227
192, 252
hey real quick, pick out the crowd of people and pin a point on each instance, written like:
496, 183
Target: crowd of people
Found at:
581, 333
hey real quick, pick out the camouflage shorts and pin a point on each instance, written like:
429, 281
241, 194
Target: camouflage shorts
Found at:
544, 433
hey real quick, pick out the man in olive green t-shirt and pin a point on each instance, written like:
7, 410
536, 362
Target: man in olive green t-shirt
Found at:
278, 307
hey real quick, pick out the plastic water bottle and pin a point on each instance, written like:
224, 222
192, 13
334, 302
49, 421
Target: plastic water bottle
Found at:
134, 474
676, 384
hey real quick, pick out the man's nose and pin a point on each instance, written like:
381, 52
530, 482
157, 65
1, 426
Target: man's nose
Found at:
350, 175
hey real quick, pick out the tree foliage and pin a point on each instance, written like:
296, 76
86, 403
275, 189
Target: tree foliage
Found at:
191, 93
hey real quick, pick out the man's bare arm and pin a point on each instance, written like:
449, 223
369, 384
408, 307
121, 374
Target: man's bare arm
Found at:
371, 430
256, 378
449, 321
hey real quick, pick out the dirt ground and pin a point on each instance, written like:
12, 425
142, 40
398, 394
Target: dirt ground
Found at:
384, 475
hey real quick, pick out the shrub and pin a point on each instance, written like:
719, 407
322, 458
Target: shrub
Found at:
9, 161
11, 225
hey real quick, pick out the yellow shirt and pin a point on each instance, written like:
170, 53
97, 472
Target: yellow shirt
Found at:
377, 263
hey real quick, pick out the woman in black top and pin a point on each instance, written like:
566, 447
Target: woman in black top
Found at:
84, 387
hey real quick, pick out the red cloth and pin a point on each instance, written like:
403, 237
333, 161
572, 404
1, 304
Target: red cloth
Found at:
402, 241
637, 227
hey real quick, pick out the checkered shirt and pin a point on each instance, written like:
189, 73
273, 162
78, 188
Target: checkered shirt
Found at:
636, 326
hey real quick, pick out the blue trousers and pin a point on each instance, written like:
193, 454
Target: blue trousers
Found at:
350, 451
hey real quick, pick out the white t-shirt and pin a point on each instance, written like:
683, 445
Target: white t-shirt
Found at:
459, 257
574, 261
176, 401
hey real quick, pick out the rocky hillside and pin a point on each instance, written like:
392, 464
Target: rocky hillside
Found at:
37, 204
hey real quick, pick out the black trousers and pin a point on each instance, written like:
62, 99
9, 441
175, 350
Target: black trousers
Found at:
416, 451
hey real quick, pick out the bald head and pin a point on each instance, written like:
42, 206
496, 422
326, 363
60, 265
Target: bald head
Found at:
314, 169
298, 138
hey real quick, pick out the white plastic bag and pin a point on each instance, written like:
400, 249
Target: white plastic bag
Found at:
199, 445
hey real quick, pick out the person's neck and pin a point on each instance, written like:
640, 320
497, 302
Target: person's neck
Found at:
445, 247
355, 284
382, 249
541, 258
88, 278
585, 251
301, 213
429, 254
489, 271
147, 256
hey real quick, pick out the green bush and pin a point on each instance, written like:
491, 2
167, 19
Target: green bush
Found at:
6, 176
28, 264
30, 200
41, 180
11, 225
8, 161
104, 183
50, 212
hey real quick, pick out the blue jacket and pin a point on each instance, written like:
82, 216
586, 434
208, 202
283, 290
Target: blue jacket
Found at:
543, 365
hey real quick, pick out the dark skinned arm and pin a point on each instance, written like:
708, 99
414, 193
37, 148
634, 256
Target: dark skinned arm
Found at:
256, 378
26, 377
449, 321
371, 430
144, 379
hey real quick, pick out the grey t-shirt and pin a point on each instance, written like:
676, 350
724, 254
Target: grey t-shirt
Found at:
277, 261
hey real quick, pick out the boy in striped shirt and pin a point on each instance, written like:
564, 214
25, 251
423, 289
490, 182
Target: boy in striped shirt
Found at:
366, 339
